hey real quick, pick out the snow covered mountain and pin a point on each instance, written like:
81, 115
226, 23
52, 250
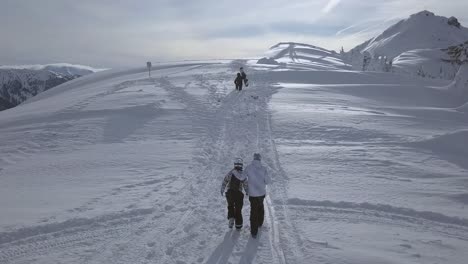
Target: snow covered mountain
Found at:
18, 83
423, 30
418, 45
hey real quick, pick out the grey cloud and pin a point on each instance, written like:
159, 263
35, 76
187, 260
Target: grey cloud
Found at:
108, 33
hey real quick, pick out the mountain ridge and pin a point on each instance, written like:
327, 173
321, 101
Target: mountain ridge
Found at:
21, 82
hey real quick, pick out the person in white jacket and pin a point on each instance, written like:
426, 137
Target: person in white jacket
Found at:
258, 178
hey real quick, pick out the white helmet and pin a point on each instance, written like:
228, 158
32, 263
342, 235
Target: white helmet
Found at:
238, 163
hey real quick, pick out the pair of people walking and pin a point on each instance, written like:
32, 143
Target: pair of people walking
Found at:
241, 79
253, 181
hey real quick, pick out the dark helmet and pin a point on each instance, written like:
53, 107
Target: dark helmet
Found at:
238, 74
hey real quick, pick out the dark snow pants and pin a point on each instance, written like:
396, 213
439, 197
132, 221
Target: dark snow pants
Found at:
235, 200
257, 213
239, 86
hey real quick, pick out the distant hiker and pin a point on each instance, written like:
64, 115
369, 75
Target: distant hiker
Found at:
258, 178
244, 77
238, 82
235, 181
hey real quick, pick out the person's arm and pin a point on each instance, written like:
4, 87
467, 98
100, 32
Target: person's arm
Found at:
245, 183
225, 182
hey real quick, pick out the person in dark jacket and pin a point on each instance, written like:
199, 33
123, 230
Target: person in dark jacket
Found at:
235, 181
238, 82
244, 76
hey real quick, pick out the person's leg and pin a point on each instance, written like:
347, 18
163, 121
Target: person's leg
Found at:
230, 201
253, 215
240, 86
261, 210
239, 203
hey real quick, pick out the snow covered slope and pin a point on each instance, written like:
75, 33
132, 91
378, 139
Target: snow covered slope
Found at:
432, 63
420, 45
116, 167
304, 56
423, 30
18, 83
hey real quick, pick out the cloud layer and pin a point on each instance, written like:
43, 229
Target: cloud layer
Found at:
110, 33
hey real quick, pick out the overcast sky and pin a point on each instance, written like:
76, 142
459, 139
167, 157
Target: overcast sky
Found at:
114, 33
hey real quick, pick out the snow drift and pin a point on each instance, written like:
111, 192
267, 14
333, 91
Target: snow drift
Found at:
303, 55
463, 108
459, 86
427, 63
454, 144
432, 63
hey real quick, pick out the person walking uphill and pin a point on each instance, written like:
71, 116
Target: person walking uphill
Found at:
238, 82
244, 76
235, 181
258, 178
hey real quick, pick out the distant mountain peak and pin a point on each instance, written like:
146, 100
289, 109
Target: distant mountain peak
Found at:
424, 13
423, 30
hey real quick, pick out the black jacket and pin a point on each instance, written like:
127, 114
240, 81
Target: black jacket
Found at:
238, 80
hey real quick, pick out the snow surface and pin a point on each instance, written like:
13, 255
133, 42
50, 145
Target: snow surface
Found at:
116, 167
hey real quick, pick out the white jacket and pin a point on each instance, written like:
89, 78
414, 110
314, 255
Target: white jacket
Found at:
258, 178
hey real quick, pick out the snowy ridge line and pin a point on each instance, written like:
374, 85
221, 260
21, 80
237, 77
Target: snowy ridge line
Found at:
52, 65
103, 76
408, 212
26, 232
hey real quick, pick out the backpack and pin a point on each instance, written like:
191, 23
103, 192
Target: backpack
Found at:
234, 183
